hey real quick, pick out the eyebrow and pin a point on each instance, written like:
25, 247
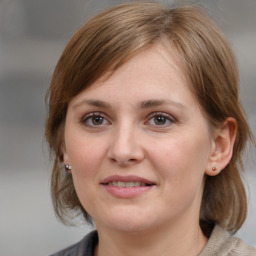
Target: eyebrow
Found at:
155, 103
143, 105
95, 103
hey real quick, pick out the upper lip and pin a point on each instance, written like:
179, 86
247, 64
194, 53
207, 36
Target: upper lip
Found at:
129, 178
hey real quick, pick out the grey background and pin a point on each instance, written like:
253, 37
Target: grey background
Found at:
33, 34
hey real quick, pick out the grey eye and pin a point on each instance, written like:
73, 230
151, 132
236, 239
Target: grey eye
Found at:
160, 120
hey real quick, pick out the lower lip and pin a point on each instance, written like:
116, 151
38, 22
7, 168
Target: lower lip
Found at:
127, 192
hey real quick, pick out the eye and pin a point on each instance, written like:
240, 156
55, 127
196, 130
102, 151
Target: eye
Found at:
95, 119
160, 119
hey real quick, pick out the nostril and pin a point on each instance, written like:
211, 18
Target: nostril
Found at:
124, 162
113, 160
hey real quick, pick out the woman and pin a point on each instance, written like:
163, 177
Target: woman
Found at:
147, 133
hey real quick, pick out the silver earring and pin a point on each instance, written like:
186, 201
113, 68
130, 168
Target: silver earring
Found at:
68, 167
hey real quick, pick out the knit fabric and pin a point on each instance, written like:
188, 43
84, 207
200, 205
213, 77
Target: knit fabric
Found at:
220, 243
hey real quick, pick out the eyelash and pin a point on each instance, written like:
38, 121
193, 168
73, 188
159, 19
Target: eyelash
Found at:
89, 118
166, 117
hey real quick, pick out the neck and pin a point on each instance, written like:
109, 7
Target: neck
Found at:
180, 240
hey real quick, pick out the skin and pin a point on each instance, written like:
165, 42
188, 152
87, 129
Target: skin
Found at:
144, 121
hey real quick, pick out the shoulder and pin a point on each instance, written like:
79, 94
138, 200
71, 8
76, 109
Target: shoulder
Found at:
83, 248
222, 244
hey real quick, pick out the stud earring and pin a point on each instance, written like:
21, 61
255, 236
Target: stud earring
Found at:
214, 169
68, 167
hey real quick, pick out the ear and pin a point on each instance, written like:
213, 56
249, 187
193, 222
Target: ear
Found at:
65, 156
222, 147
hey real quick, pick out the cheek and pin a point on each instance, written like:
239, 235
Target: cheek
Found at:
182, 160
86, 161
84, 156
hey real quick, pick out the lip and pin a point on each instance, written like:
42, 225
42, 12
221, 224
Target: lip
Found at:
132, 178
127, 192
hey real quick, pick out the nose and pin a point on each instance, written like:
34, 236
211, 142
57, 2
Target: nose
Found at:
125, 148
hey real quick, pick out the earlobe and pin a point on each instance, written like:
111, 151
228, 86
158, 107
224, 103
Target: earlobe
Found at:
66, 161
67, 166
65, 156
224, 139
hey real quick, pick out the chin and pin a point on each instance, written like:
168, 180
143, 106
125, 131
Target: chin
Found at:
128, 222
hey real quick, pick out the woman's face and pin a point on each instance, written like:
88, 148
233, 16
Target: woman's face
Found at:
139, 146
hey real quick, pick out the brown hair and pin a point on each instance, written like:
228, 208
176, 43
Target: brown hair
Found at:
111, 38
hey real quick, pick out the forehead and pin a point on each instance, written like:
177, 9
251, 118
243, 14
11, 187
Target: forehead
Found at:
151, 73
158, 53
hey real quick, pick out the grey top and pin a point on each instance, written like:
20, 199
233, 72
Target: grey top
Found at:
220, 243
83, 248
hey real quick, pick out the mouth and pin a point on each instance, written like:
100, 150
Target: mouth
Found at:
127, 181
127, 186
